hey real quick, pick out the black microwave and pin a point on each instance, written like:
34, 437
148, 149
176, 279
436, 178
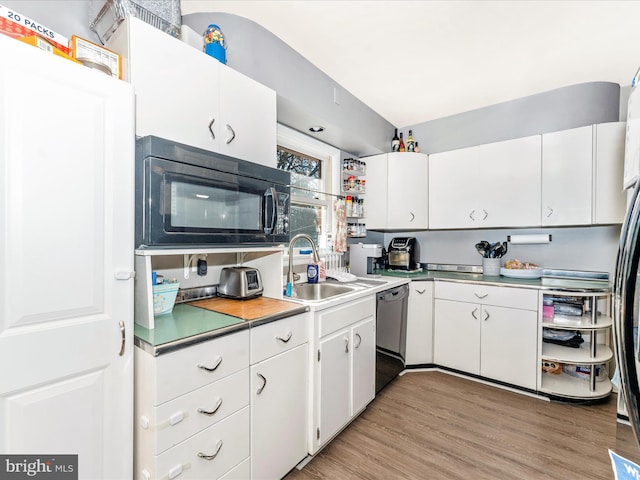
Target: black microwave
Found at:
186, 196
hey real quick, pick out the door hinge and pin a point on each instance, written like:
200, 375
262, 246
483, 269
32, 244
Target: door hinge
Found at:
318, 354
318, 433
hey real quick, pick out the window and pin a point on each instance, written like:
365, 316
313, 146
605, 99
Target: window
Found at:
311, 164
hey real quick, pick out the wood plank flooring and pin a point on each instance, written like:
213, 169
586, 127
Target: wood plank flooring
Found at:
431, 425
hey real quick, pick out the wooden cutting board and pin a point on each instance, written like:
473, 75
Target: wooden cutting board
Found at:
250, 309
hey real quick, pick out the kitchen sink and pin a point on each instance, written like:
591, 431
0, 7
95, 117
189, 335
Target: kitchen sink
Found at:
322, 291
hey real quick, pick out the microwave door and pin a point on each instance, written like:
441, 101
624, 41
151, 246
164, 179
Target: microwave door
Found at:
625, 312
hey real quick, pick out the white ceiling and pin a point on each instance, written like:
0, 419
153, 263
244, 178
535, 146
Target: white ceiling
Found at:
414, 61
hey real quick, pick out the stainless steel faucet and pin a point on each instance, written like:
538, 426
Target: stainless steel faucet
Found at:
316, 258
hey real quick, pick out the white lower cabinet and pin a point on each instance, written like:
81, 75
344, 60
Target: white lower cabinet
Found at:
279, 356
192, 409
420, 323
488, 331
343, 367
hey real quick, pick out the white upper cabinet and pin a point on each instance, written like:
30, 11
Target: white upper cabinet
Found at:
609, 194
492, 185
184, 95
397, 193
567, 176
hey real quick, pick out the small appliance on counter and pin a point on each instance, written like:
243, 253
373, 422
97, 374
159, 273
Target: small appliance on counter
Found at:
403, 254
240, 282
363, 258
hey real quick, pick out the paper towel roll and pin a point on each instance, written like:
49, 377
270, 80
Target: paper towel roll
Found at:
531, 239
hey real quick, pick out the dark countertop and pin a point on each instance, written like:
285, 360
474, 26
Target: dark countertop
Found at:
187, 325
544, 283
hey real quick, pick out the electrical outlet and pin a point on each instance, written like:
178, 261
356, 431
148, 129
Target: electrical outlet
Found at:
202, 267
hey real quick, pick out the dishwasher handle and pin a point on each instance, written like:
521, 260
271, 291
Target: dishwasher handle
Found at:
394, 294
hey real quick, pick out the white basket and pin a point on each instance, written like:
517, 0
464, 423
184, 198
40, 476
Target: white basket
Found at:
164, 297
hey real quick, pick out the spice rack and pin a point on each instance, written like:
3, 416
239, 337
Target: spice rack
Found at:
353, 187
574, 373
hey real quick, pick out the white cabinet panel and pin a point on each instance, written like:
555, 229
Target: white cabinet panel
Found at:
609, 194
363, 341
397, 191
457, 335
420, 323
492, 185
279, 409
184, 95
567, 177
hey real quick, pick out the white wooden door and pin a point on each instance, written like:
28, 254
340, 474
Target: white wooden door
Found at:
408, 190
177, 86
567, 176
247, 118
66, 173
363, 341
509, 340
278, 413
457, 335
335, 384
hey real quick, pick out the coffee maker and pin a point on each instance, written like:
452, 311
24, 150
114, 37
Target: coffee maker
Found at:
364, 258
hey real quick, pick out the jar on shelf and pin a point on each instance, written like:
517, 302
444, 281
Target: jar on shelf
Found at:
214, 43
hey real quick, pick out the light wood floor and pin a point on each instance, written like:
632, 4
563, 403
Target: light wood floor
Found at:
431, 425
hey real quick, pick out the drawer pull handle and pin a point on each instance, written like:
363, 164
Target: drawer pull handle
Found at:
233, 134
214, 455
473, 314
287, 338
213, 135
481, 296
487, 317
212, 412
359, 340
211, 369
420, 291
346, 345
264, 383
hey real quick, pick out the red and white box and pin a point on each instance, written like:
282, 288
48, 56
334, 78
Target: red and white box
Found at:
16, 25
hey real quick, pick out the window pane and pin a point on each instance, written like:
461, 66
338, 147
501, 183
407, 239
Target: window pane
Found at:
307, 219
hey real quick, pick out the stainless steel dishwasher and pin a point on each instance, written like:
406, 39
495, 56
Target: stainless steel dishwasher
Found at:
391, 334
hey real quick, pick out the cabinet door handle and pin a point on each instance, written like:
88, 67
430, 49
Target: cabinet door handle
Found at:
287, 337
214, 454
211, 369
359, 340
420, 291
486, 214
487, 317
471, 215
413, 217
213, 135
346, 345
123, 334
233, 134
211, 412
264, 383
481, 296
550, 212
473, 313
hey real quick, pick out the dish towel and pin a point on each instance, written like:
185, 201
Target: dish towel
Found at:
340, 214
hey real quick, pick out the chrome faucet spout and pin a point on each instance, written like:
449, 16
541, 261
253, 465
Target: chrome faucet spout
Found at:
316, 257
